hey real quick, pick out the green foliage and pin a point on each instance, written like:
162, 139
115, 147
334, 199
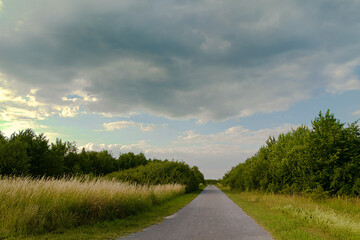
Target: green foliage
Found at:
212, 181
13, 157
130, 160
26, 153
323, 160
162, 172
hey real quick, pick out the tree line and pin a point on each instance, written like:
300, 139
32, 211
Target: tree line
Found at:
323, 159
25, 153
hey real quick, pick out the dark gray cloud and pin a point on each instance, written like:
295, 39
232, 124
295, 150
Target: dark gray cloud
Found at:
204, 59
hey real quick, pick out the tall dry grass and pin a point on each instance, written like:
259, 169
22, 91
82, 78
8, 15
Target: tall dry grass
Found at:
29, 206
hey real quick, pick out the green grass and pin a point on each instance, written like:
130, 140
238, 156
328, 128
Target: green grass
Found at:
121, 227
299, 217
36, 206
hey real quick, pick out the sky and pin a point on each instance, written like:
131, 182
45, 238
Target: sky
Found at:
205, 82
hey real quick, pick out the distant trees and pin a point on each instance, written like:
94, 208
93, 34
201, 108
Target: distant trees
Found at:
13, 157
25, 153
212, 181
130, 160
324, 158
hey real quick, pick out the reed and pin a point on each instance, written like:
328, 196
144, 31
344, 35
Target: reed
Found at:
33, 206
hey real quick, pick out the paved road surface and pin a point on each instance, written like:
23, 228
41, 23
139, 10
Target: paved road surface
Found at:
212, 215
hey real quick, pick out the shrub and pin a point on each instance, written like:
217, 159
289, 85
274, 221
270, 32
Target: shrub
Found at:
162, 172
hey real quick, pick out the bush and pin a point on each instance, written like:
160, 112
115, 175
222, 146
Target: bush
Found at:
162, 172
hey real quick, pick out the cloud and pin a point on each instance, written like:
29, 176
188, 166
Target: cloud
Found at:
344, 77
145, 127
356, 112
25, 106
215, 45
68, 111
11, 127
15, 107
236, 135
207, 60
117, 149
213, 153
213, 160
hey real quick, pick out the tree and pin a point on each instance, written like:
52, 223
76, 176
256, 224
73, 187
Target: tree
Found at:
103, 163
325, 158
13, 157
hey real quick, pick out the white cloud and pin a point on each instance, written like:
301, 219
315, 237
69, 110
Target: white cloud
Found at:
213, 153
217, 153
145, 127
15, 107
20, 107
213, 159
138, 147
66, 111
122, 115
119, 125
237, 135
356, 112
343, 77
11, 127
117, 149
17, 113
215, 45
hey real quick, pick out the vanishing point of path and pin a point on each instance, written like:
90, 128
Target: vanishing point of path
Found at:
211, 215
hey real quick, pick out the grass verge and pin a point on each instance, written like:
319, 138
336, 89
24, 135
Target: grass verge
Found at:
121, 227
299, 217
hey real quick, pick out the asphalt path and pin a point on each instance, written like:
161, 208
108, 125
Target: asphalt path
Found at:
211, 215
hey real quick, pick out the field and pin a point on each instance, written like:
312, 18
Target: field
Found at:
300, 217
29, 206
